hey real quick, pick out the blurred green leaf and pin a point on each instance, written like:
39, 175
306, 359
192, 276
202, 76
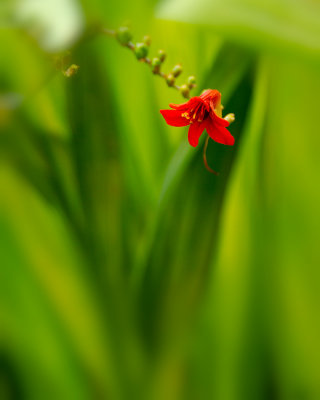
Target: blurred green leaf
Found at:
127, 270
290, 27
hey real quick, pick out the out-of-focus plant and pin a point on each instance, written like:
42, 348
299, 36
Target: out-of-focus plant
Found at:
126, 270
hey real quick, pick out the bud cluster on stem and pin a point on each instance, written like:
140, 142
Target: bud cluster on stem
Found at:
141, 51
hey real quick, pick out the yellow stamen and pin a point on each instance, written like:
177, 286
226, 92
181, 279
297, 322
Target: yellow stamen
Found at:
185, 115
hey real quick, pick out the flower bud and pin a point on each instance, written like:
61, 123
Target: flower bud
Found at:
162, 55
141, 50
184, 90
170, 80
72, 70
176, 71
191, 82
123, 35
155, 65
147, 40
230, 118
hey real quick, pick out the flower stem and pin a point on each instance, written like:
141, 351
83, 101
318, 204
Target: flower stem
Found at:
109, 32
130, 45
205, 157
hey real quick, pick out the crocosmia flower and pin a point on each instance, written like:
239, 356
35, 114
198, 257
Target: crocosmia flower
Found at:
202, 112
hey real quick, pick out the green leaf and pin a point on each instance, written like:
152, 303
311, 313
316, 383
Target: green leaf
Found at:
284, 26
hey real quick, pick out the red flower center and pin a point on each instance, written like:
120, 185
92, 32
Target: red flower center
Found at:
197, 113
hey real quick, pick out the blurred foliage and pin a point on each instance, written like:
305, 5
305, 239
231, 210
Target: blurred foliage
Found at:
127, 271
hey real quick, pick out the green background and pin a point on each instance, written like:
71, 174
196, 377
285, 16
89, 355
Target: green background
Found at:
127, 271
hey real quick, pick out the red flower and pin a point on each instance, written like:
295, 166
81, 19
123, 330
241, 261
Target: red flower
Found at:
201, 112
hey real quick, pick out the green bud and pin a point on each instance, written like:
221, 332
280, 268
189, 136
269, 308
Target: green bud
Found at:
72, 70
230, 118
156, 62
184, 90
147, 40
176, 71
155, 65
170, 80
141, 50
162, 55
191, 82
123, 35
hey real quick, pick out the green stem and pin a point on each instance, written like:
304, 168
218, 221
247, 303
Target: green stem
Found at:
205, 157
130, 45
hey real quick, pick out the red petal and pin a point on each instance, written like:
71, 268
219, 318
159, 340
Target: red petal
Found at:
218, 120
183, 106
188, 105
210, 95
218, 132
173, 118
195, 132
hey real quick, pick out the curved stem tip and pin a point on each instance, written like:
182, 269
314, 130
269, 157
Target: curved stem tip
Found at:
205, 157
